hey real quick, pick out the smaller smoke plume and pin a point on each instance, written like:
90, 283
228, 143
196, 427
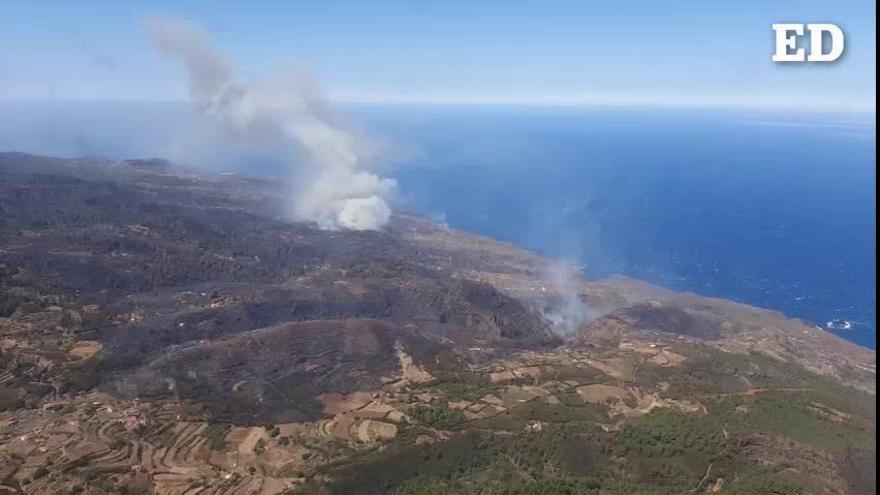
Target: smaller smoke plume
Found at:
333, 184
568, 313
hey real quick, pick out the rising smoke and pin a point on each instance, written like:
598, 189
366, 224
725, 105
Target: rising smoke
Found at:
567, 313
335, 188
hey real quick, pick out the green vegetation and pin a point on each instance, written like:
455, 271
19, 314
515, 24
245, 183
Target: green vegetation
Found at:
479, 462
505, 480
216, 435
518, 417
580, 374
556, 461
662, 452
763, 481
440, 416
664, 433
471, 389
674, 449
24, 299
788, 414
457, 384
505, 485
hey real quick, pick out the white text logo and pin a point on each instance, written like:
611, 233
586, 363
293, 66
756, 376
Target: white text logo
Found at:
787, 36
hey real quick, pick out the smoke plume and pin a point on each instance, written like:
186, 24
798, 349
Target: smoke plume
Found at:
334, 186
567, 313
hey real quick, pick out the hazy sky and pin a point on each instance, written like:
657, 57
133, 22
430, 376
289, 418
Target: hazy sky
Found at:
693, 52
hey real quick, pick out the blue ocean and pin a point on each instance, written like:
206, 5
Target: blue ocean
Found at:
770, 208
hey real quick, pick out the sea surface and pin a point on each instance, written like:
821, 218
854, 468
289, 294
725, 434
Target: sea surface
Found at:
770, 208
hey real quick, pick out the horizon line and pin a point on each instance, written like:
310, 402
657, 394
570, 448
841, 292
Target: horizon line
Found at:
570, 101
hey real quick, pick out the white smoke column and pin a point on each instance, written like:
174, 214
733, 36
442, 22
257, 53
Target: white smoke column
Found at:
569, 313
335, 189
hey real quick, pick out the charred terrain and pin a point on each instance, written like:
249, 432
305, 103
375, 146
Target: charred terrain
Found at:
168, 331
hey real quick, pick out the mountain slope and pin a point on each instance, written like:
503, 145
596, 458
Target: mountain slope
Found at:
167, 330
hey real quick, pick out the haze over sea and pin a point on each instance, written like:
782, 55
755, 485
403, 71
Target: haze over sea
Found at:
770, 208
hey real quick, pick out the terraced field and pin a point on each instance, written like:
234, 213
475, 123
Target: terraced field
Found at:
165, 331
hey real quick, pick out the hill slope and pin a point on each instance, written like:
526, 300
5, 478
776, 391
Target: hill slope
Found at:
169, 331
